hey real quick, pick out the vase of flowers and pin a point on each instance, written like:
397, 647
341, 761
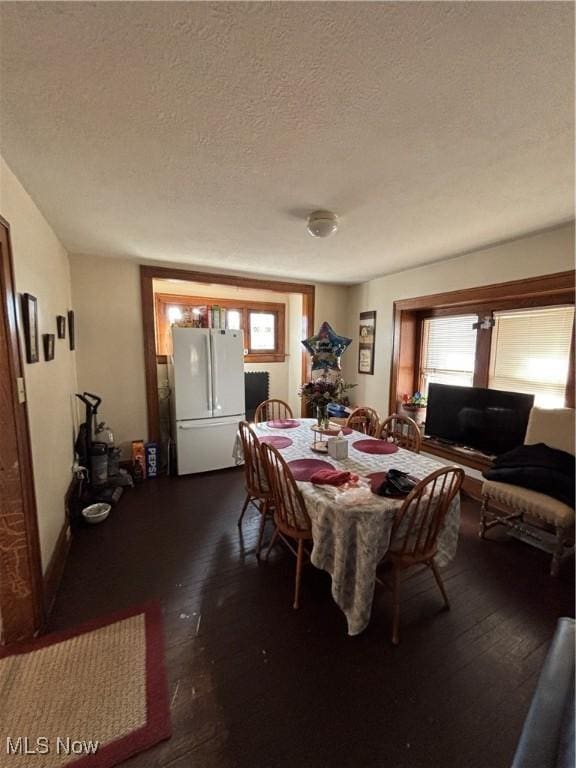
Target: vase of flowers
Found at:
322, 417
414, 406
319, 393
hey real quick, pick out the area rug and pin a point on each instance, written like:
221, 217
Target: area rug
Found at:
85, 698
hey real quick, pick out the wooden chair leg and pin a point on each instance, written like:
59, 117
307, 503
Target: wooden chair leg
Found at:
396, 607
483, 515
299, 559
272, 542
439, 581
558, 551
244, 508
264, 514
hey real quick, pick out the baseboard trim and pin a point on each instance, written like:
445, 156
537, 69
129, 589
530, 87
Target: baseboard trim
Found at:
55, 570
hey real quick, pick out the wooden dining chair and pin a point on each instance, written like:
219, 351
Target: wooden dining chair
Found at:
415, 531
270, 410
256, 483
403, 431
365, 420
290, 516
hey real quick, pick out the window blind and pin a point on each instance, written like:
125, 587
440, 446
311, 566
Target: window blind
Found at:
448, 350
530, 352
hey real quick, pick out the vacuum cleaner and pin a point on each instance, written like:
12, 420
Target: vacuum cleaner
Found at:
96, 467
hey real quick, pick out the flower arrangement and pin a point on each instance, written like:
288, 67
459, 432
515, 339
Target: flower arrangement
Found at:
417, 400
321, 391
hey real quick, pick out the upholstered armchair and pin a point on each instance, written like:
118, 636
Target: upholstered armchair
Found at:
528, 512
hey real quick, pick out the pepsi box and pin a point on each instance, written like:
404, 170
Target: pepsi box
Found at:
152, 459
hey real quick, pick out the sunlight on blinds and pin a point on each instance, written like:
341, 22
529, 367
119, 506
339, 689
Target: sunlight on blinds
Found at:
448, 350
530, 353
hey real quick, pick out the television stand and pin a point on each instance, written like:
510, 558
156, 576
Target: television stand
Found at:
469, 457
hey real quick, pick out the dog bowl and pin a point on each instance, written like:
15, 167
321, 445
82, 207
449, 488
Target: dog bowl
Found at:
96, 513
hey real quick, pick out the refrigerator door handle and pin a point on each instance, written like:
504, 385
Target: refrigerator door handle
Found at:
214, 365
209, 372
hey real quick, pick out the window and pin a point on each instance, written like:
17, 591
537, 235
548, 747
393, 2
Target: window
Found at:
174, 314
262, 323
448, 351
516, 350
234, 319
262, 331
530, 352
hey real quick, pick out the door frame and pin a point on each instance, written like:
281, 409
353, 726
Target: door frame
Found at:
22, 609
147, 276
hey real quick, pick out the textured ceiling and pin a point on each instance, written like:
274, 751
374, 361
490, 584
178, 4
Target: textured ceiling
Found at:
206, 132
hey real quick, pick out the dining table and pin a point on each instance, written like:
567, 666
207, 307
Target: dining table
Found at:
352, 525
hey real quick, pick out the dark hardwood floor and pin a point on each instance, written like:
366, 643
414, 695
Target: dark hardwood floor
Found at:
255, 684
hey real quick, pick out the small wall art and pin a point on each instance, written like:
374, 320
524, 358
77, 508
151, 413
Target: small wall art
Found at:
61, 326
48, 341
366, 342
71, 330
30, 323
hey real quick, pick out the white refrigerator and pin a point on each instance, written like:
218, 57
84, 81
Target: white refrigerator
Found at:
206, 375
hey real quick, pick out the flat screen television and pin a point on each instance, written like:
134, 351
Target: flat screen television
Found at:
488, 420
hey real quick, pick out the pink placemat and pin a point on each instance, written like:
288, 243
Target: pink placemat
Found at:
303, 469
276, 440
374, 446
377, 478
283, 424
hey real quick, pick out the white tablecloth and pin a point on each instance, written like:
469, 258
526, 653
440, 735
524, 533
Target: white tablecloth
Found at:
351, 529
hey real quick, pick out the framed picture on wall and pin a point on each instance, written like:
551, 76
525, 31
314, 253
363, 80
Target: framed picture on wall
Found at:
48, 340
71, 330
366, 338
61, 326
30, 323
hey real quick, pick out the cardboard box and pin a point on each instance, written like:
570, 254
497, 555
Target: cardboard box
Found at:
152, 458
139, 458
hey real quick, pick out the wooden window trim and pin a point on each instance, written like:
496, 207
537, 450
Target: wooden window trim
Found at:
548, 290
150, 273
558, 298
278, 355
164, 300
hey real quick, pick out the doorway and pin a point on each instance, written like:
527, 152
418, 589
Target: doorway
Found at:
21, 589
148, 275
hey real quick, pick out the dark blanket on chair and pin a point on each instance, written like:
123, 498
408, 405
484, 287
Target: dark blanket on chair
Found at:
538, 468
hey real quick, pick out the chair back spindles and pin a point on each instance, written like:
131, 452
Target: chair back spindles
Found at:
271, 410
290, 512
254, 471
365, 420
403, 431
420, 519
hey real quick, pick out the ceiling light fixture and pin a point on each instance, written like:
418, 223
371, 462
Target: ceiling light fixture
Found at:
322, 223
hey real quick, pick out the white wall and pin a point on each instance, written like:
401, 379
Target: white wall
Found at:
41, 268
110, 342
333, 305
541, 254
110, 356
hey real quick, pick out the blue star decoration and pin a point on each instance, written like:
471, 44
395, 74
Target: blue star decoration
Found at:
326, 348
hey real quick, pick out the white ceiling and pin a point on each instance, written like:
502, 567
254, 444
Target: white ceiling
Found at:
205, 133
